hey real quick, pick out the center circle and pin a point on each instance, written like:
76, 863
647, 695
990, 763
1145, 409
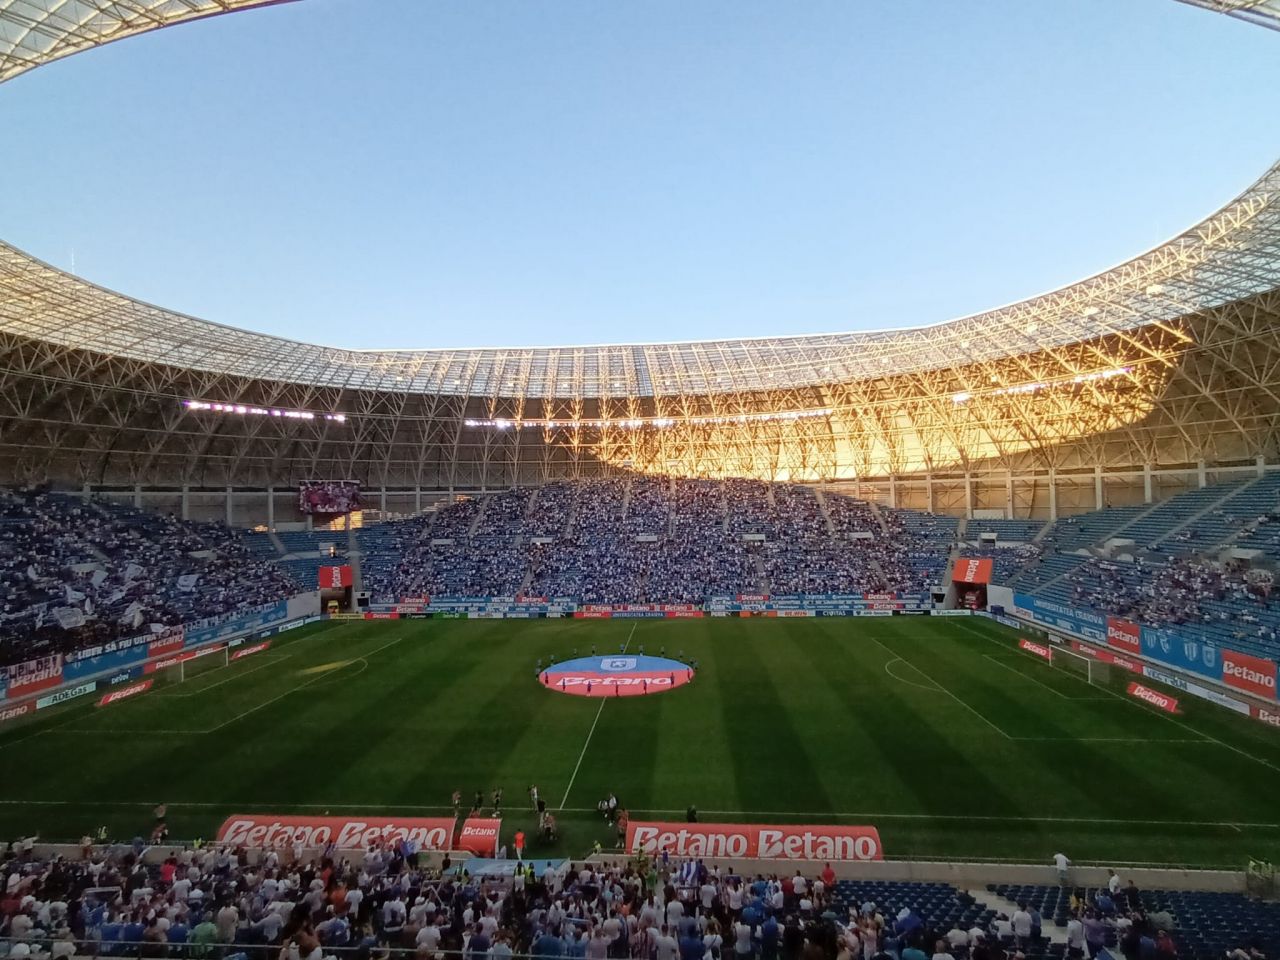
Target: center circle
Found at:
624, 675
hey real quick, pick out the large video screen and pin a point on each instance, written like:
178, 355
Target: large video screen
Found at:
329, 496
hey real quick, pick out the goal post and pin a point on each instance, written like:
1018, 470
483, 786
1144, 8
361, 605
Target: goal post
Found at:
1077, 664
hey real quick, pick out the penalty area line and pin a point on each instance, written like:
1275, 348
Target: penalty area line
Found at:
590, 733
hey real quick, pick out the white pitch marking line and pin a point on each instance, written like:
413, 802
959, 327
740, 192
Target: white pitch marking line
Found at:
591, 732
1204, 737
959, 817
267, 703
920, 686
1026, 676
941, 688
195, 693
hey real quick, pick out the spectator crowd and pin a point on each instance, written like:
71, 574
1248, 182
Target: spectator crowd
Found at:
655, 540
76, 573
213, 902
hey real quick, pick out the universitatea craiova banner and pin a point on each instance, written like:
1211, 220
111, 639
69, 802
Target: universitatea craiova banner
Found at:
766, 841
345, 833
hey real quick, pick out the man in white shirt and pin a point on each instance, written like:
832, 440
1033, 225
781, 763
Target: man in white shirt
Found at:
1113, 883
1021, 921
665, 945
1062, 863
958, 938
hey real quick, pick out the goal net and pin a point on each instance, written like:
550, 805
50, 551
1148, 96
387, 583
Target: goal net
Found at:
1086, 668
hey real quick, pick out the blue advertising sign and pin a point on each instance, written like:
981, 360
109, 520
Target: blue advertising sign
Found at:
91, 666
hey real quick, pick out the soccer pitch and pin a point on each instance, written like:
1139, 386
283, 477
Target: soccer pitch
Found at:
939, 732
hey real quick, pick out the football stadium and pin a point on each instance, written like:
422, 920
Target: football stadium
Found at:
891, 643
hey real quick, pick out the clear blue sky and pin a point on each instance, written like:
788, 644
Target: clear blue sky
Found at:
421, 173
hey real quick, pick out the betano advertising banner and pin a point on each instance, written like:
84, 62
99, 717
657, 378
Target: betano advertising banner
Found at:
972, 570
42, 673
345, 833
1124, 635
1249, 673
771, 842
1106, 656
1195, 689
1035, 649
479, 835
1161, 701
124, 693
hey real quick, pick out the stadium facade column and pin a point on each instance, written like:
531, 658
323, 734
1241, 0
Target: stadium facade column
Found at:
1053, 495
1008, 494
893, 491
417, 499
186, 502
228, 506
137, 496
1202, 474
271, 507
382, 499
928, 484
968, 495
1146, 483
1097, 486
1260, 462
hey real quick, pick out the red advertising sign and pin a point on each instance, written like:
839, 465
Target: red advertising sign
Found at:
346, 833
181, 658
124, 693
1038, 649
1250, 674
168, 642
16, 711
773, 842
1157, 699
973, 570
1106, 656
250, 650
30, 677
1124, 634
382, 614
1262, 714
335, 578
480, 836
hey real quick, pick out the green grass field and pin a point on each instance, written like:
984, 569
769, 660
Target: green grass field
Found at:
937, 731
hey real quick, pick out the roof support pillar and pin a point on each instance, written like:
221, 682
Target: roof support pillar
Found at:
1097, 486
271, 507
1146, 483
1053, 495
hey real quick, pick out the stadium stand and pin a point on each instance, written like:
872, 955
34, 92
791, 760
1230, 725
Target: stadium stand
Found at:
1012, 531
76, 572
1202, 925
649, 540
212, 902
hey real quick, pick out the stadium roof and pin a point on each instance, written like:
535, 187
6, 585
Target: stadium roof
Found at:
1232, 255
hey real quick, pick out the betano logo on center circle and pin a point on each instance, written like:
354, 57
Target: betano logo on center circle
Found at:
616, 676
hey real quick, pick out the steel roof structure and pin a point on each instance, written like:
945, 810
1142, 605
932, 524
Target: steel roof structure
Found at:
1169, 356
